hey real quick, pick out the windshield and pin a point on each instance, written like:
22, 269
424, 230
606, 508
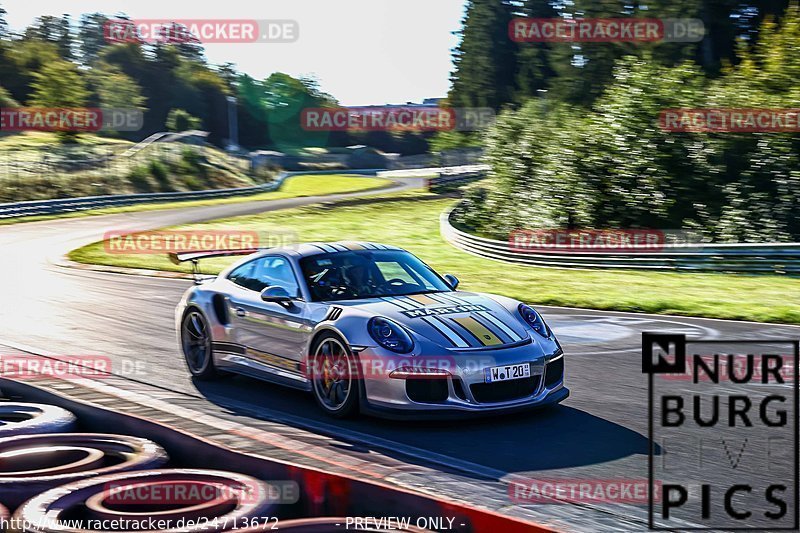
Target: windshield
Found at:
368, 274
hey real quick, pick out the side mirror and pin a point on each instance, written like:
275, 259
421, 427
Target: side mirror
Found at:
276, 294
451, 280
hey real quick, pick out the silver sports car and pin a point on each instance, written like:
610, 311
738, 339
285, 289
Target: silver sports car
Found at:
368, 327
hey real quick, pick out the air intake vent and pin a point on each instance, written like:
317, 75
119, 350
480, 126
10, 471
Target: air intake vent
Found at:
334, 313
220, 309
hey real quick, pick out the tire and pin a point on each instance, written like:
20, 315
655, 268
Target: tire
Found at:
41, 462
196, 345
31, 418
337, 393
235, 500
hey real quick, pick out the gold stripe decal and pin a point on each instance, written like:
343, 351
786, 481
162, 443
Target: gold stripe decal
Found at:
422, 299
486, 337
270, 359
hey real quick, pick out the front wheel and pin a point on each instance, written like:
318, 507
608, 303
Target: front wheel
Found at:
196, 345
334, 376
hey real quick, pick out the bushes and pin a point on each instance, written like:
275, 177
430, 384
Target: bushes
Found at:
159, 173
164, 175
89, 172
180, 120
613, 166
139, 179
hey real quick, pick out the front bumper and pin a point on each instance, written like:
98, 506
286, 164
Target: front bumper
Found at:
463, 390
436, 413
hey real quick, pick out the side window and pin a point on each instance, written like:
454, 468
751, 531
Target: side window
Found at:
243, 275
275, 271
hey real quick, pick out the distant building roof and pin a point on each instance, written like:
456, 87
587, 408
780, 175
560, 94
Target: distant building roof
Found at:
428, 102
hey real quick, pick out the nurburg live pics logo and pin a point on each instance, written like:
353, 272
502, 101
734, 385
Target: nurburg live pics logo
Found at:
723, 441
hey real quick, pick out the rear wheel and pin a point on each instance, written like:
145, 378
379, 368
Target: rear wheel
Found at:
334, 376
196, 344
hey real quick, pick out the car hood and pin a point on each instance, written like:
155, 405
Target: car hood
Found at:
454, 320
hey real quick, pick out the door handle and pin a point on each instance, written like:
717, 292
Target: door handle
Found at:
240, 312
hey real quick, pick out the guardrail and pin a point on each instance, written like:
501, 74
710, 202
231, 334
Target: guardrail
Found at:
66, 205
737, 258
440, 179
453, 177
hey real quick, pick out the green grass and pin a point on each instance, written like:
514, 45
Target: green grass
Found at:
411, 221
306, 185
41, 139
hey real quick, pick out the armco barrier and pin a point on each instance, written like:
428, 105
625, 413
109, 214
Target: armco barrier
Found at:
66, 205
737, 258
441, 179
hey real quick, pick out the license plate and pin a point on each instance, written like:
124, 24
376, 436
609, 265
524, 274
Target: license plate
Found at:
506, 373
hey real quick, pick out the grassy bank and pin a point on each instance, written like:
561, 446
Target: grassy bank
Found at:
308, 185
411, 221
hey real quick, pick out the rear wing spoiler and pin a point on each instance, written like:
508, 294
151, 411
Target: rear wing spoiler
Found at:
194, 257
181, 257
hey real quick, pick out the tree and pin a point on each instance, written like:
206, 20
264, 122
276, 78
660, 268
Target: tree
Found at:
284, 99
485, 58
3, 24
227, 72
59, 84
54, 30
206, 97
533, 62
180, 120
178, 37
23, 59
5, 99
92, 36
115, 89
252, 113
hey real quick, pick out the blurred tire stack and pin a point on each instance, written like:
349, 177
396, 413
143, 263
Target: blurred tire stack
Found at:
53, 479
28, 418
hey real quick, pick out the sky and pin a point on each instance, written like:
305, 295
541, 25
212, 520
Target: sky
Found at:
363, 52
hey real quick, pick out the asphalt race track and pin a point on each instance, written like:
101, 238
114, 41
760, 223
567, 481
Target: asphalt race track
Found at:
599, 432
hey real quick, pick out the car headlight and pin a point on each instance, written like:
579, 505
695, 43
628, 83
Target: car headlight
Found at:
535, 320
390, 335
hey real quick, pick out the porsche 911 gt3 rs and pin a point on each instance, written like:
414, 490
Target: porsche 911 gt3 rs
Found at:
368, 327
